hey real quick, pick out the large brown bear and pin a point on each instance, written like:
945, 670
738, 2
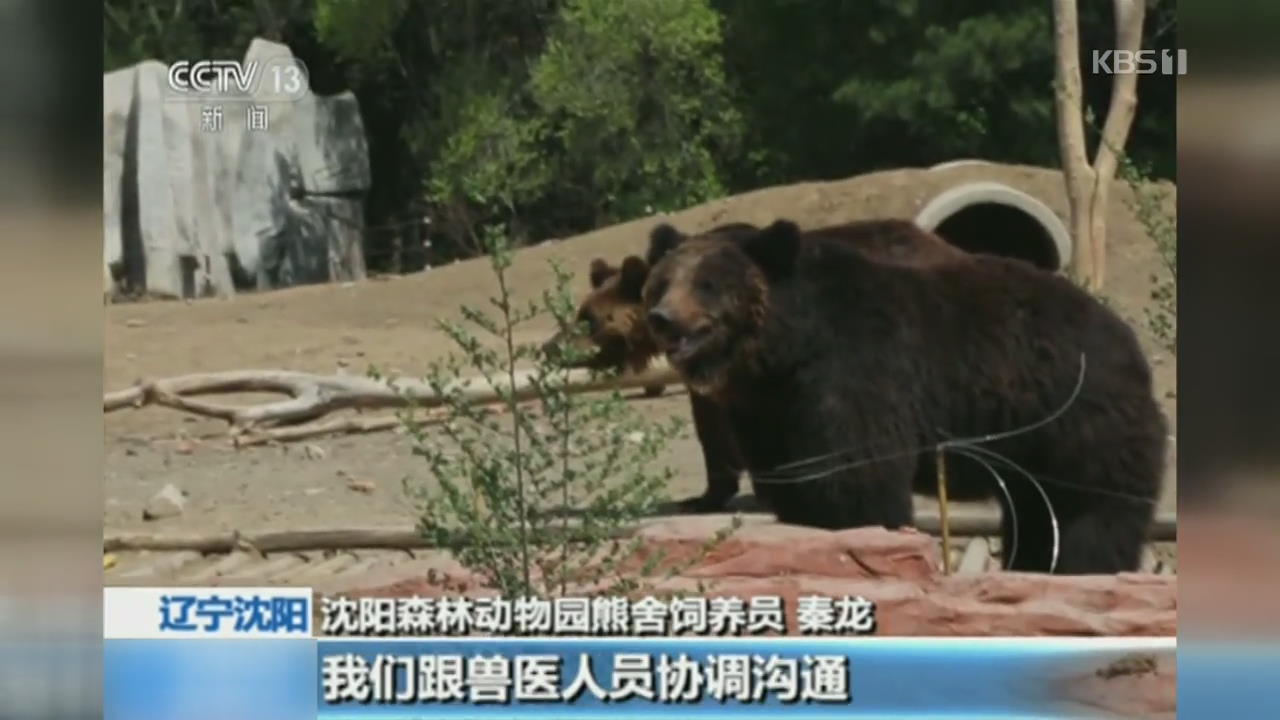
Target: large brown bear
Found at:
840, 376
618, 337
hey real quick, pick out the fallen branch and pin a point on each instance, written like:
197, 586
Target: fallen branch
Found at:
293, 433
312, 396
408, 537
405, 538
332, 427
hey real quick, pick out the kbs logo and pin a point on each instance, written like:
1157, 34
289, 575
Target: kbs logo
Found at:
282, 78
1142, 62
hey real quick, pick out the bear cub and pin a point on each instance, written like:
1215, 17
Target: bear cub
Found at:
617, 338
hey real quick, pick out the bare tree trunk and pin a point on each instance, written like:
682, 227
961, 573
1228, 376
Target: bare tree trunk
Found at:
1088, 186
1115, 132
1069, 101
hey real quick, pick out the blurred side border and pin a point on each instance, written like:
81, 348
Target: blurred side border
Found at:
50, 360
1229, 404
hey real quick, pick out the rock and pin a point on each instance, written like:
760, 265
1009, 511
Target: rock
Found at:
862, 553
898, 570
162, 201
331, 152
341, 225
135, 323
361, 486
309, 171
191, 213
117, 101
209, 220
323, 241
262, 218
163, 237
168, 502
314, 452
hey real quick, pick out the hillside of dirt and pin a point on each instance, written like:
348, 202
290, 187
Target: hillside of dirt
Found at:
388, 323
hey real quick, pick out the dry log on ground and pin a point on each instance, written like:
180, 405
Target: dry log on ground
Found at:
312, 396
333, 427
293, 433
407, 537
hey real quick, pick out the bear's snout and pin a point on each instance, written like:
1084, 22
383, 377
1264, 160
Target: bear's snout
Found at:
661, 324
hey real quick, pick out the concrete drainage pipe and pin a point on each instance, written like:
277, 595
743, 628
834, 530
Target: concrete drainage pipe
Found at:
989, 217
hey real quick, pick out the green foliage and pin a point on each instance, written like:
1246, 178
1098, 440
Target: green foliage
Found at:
557, 116
961, 85
506, 483
636, 97
358, 29
137, 30
1154, 208
489, 166
622, 110
829, 88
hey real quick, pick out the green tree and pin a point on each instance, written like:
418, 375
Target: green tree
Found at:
505, 484
624, 109
831, 89
635, 96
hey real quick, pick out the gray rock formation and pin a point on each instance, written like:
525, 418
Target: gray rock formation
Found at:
191, 212
117, 98
211, 274
161, 241
331, 154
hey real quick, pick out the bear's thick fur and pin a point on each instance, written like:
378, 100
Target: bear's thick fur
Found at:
618, 337
840, 376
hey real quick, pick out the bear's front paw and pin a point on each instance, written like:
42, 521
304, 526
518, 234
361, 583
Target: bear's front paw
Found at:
703, 504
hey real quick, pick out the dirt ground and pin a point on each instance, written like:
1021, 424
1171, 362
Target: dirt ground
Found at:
388, 323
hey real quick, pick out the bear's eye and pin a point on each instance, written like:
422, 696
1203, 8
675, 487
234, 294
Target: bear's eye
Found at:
706, 286
657, 290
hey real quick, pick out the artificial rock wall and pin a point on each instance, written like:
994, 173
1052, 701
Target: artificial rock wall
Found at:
194, 213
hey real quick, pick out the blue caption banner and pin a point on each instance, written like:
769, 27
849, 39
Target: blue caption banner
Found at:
209, 679
645, 677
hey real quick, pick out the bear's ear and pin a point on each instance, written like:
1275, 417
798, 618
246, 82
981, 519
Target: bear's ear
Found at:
774, 249
600, 271
661, 240
634, 272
